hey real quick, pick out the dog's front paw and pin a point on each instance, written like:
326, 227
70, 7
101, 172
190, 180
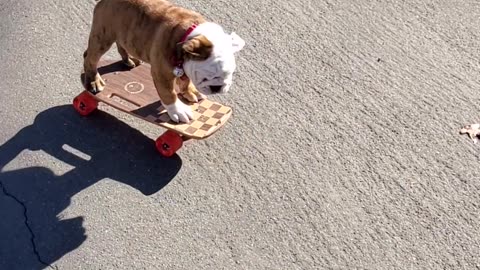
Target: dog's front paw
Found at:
193, 97
179, 111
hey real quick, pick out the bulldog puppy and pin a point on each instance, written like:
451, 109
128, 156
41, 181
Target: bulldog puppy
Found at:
186, 52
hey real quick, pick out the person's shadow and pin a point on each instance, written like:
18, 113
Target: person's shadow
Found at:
111, 149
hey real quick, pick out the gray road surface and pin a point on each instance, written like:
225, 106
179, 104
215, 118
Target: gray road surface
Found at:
343, 151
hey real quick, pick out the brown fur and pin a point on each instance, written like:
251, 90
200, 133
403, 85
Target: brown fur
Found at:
146, 30
197, 48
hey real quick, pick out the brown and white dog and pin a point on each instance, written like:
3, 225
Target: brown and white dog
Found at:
175, 41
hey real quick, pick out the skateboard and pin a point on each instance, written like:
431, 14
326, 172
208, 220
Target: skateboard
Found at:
132, 91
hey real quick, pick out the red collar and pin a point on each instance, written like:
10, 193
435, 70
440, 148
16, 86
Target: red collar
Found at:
189, 31
178, 63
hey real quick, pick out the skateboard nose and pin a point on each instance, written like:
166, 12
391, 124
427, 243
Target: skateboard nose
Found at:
215, 88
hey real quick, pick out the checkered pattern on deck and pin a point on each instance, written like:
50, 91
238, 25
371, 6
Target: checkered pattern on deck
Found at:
207, 117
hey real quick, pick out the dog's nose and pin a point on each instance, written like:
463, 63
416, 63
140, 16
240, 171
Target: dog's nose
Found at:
215, 88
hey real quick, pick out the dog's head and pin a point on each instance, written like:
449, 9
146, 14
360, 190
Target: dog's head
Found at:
209, 58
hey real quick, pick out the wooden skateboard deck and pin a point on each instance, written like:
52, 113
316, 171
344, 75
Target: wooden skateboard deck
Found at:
132, 91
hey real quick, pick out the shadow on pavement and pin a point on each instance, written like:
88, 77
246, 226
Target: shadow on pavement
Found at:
113, 150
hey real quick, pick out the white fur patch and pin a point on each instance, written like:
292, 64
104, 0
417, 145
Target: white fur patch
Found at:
179, 111
218, 69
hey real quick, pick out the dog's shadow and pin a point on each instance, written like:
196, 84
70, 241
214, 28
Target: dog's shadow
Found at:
107, 66
113, 66
94, 147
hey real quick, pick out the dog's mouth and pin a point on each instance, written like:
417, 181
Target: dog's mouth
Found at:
213, 89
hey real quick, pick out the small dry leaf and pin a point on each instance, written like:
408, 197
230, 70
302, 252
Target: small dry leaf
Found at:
473, 131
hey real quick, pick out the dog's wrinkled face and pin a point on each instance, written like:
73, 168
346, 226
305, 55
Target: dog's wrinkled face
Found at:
211, 65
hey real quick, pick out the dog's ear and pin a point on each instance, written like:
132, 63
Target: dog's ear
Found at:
237, 42
197, 48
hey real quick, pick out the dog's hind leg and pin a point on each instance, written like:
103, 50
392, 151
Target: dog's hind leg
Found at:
126, 58
99, 42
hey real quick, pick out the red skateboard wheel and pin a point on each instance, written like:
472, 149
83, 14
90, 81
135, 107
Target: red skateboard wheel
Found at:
168, 143
84, 104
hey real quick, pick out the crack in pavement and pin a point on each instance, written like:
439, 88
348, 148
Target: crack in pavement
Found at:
32, 235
